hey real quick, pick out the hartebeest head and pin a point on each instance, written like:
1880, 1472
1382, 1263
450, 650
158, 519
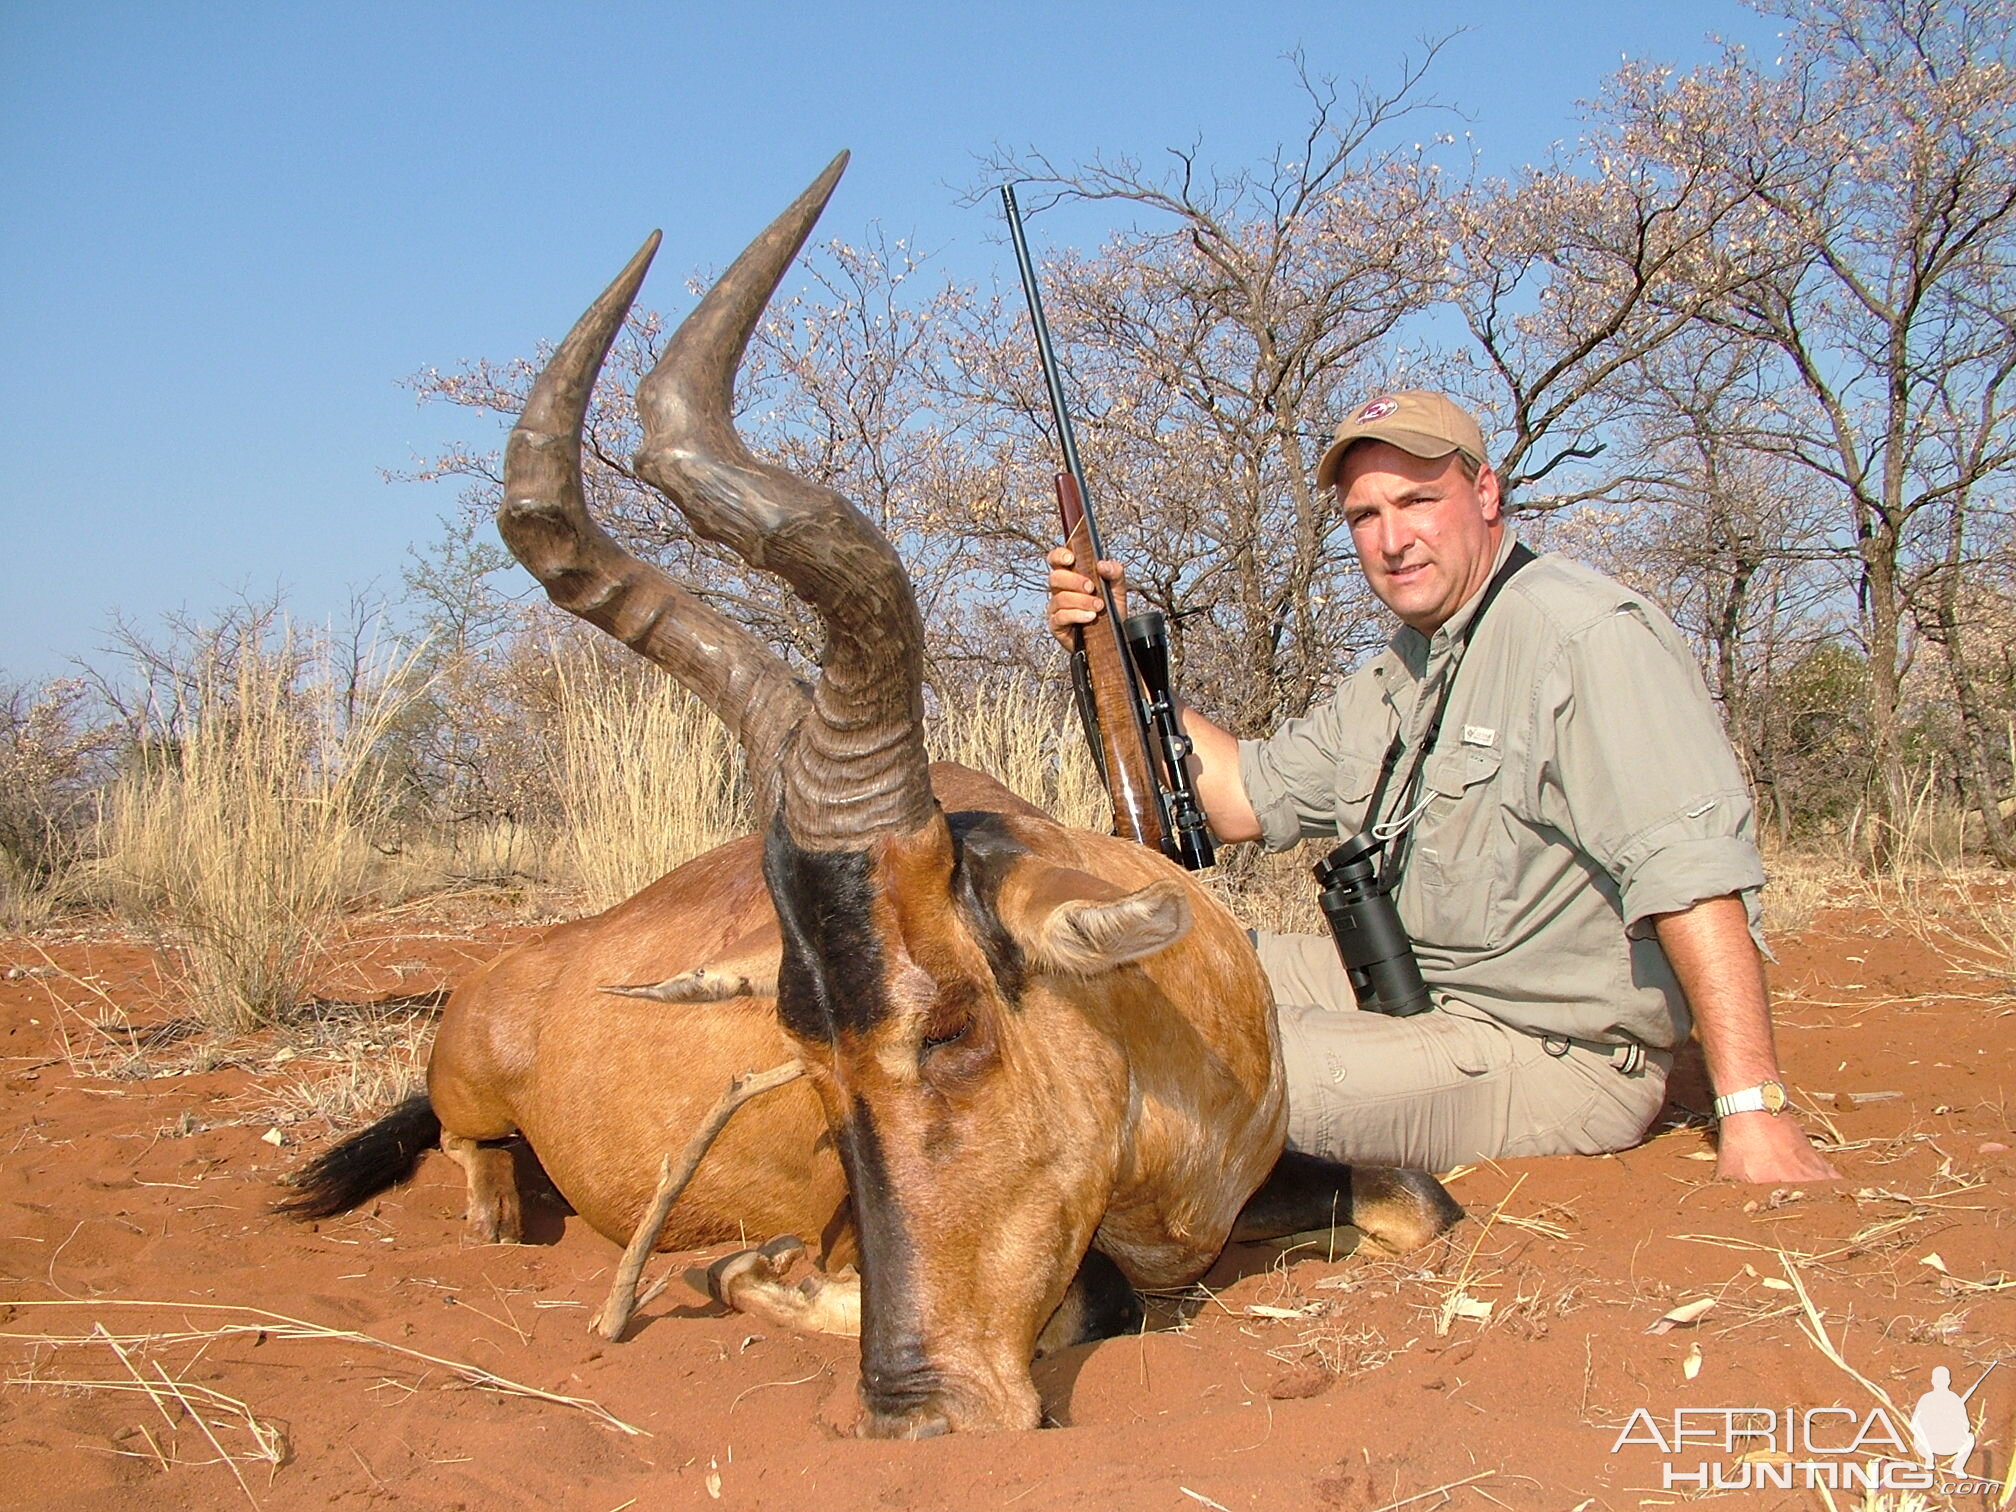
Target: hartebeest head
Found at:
955, 995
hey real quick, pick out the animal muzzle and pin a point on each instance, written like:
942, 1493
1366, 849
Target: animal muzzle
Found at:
926, 1404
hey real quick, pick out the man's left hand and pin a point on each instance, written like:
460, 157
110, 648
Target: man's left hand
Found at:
1768, 1148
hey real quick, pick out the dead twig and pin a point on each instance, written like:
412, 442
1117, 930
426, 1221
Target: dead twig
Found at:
623, 1303
280, 1326
1442, 1490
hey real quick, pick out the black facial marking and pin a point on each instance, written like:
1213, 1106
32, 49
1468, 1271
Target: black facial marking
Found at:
829, 979
896, 1373
986, 851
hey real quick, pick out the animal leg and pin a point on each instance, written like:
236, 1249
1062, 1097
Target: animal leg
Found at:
1099, 1305
752, 1282
494, 1209
1401, 1210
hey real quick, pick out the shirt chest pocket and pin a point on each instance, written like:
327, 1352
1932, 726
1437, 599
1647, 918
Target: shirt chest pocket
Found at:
1460, 848
1351, 783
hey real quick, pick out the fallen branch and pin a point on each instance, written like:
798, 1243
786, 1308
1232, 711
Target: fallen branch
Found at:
623, 1301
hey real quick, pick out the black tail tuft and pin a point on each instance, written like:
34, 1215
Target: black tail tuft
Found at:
366, 1163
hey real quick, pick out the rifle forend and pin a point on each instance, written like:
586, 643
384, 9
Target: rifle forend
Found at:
1136, 738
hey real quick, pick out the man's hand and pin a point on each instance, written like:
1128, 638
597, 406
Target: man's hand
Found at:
1723, 976
1214, 764
1768, 1148
1074, 598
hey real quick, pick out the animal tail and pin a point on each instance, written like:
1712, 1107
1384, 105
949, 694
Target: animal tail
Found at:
346, 1175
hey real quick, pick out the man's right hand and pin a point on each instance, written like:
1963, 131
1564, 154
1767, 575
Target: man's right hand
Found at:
1074, 598
1074, 604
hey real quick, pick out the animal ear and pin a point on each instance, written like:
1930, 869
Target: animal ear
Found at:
1075, 923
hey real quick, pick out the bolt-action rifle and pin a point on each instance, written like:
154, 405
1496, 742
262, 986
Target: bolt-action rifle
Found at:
1119, 670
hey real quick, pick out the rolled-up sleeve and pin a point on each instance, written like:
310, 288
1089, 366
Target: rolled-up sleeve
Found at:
1289, 778
1299, 778
1640, 774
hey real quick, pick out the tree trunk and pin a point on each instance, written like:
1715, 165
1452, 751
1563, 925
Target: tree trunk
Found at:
1975, 766
1887, 796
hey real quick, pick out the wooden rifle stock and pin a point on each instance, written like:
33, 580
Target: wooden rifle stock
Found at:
1104, 673
1125, 756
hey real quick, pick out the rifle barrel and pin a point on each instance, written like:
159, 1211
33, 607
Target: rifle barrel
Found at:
1047, 355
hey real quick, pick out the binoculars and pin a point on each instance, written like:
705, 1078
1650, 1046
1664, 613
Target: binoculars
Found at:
1378, 956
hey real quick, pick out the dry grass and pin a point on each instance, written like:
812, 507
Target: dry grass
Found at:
1800, 883
263, 1325
1024, 733
244, 825
1966, 915
648, 776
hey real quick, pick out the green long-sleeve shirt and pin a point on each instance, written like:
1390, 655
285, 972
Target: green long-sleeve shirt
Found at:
1582, 784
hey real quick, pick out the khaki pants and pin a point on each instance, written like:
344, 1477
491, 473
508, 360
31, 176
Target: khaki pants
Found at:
1440, 1088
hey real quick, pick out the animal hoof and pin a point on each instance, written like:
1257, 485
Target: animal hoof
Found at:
782, 1250
764, 1266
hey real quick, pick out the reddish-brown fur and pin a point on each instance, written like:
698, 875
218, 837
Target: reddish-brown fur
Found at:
1019, 1040
1135, 1107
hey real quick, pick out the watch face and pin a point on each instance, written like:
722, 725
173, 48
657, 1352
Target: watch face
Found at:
1774, 1096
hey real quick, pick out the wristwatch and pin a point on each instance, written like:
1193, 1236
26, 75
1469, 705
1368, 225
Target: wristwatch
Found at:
1765, 1097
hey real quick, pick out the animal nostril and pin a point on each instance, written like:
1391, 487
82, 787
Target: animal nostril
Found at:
919, 1423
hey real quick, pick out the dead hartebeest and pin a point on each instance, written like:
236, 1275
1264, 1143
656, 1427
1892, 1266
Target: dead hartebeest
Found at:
1034, 1055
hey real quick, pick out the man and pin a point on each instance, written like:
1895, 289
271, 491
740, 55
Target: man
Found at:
1571, 831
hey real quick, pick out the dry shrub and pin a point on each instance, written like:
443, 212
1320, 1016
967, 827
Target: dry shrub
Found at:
244, 823
53, 756
26, 901
1024, 733
1799, 884
1273, 893
648, 777
1968, 916
481, 858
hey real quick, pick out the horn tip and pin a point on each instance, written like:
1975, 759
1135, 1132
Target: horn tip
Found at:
822, 187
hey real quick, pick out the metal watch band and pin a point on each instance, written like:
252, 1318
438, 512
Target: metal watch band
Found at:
1757, 1099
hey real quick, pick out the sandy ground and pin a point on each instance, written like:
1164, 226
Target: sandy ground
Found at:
157, 1320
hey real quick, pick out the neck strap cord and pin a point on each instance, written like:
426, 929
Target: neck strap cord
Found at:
1398, 832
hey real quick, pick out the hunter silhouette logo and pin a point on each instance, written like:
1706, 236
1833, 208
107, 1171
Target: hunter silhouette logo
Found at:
1939, 1426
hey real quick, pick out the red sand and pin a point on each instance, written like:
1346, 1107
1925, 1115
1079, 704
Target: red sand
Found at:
138, 1207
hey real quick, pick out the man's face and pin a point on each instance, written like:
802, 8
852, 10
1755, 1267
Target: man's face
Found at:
1426, 533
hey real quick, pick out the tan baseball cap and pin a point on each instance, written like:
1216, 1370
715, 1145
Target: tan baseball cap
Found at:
1415, 420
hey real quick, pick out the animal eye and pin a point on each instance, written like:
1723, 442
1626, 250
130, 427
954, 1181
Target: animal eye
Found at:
950, 1035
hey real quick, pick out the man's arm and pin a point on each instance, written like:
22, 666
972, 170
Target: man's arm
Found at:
1214, 767
1722, 974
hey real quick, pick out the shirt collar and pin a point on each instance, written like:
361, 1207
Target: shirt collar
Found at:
1417, 649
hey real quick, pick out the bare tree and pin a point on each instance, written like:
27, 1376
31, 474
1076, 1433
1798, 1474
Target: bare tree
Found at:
1573, 273
1212, 347
1728, 539
1878, 262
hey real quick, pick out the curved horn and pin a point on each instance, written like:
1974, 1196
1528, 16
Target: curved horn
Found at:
857, 767
544, 519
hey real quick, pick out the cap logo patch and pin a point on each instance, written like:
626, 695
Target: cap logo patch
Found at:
1378, 409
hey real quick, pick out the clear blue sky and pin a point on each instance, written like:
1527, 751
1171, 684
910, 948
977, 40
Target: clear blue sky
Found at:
232, 229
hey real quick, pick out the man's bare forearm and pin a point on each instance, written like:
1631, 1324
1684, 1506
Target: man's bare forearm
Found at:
1722, 974
1217, 777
